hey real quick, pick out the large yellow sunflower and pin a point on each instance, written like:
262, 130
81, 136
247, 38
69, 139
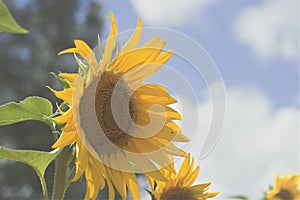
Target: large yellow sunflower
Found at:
179, 186
285, 188
112, 116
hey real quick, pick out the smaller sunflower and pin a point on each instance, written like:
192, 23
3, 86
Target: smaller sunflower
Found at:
285, 188
179, 186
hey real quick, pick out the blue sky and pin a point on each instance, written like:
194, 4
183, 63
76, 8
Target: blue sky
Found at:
213, 28
255, 45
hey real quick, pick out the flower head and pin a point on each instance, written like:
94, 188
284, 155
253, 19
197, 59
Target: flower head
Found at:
179, 186
113, 115
285, 188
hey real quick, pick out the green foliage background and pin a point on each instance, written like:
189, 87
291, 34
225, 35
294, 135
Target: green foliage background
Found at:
26, 61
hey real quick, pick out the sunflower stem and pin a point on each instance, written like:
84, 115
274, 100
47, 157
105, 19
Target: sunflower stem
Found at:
44, 187
61, 181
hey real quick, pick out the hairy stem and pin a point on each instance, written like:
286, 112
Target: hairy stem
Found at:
61, 180
44, 186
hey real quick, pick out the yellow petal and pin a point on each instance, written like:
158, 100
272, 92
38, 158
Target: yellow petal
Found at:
69, 76
98, 171
156, 194
70, 50
192, 177
110, 44
157, 48
94, 178
81, 160
79, 89
123, 162
133, 186
143, 72
163, 160
134, 40
170, 134
131, 60
167, 146
138, 57
83, 47
114, 176
211, 194
153, 99
143, 146
111, 190
66, 138
145, 165
168, 113
128, 175
87, 191
70, 126
65, 95
151, 42
86, 52
164, 57
65, 117
152, 89
184, 167
198, 189
151, 181
118, 180
92, 189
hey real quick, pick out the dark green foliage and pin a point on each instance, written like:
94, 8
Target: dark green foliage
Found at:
25, 63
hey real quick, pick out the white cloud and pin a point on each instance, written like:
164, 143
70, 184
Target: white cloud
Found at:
169, 12
257, 142
271, 28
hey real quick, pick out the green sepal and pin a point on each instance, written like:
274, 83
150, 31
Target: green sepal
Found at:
65, 83
135, 168
82, 67
64, 107
155, 185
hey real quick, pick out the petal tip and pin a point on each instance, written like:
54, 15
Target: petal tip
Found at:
139, 24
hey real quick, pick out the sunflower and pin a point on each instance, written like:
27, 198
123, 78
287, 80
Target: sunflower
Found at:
285, 188
179, 186
119, 123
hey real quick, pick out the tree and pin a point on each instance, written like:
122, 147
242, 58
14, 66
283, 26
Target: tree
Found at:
25, 63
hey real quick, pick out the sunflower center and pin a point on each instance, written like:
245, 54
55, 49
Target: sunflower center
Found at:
106, 88
177, 193
284, 194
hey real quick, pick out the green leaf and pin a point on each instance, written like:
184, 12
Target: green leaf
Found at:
38, 160
7, 22
32, 108
240, 197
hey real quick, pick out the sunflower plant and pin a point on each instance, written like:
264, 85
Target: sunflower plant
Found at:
111, 124
285, 188
179, 185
